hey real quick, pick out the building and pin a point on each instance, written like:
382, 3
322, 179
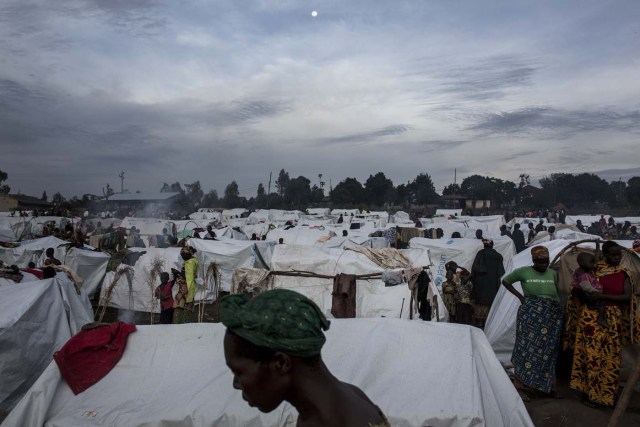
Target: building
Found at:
150, 202
21, 202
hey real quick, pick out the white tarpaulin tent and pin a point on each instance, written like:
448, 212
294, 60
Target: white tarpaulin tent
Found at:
29, 251
373, 299
462, 251
140, 296
90, 266
230, 255
488, 224
37, 319
418, 373
147, 226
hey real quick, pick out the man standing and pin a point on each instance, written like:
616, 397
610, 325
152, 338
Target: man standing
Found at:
486, 272
504, 231
518, 238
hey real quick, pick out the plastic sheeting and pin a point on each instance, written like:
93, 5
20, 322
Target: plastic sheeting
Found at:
373, 299
37, 319
29, 251
91, 266
444, 375
229, 255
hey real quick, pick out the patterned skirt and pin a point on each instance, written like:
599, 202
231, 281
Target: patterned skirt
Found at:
538, 331
596, 355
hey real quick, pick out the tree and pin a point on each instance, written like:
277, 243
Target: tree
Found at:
44, 196
4, 189
58, 200
582, 190
348, 192
317, 194
210, 200
282, 182
633, 190
231, 195
422, 191
298, 192
379, 190
451, 190
194, 193
477, 187
617, 194
261, 197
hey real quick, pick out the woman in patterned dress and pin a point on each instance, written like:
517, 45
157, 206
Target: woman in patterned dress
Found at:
538, 325
597, 347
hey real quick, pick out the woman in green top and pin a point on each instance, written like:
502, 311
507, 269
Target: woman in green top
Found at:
539, 323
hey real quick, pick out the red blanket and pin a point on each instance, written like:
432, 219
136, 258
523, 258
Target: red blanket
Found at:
91, 354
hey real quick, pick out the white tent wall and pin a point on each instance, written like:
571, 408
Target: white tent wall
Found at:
345, 212
363, 352
233, 213
450, 227
488, 224
230, 255
401, 218
299, 235
373, 299
90, 266
29, 251
318, 211
449, 212
77, 306
462, 251
188, 224
229, 233
260, 229
206, 216
33, 326
146, 226
142, 295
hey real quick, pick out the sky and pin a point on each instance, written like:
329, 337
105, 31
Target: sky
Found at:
225, 90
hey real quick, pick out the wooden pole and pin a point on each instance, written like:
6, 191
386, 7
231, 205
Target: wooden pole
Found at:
625, 397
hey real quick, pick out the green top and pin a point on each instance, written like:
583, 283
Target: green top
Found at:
535, 283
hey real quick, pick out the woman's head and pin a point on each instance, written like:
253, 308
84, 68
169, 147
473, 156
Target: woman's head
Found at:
612, 252
540, 257
267, 337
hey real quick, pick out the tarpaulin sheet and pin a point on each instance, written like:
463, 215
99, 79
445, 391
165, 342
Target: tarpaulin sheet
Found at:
33, 325
418, 373
373, 299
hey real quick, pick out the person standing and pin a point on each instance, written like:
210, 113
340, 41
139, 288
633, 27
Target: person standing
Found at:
518, 238
538, 324
273, 348
486, 272
597, 346
163, 293
184, 310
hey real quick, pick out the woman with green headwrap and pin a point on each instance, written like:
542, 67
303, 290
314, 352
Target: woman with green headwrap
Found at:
272, 347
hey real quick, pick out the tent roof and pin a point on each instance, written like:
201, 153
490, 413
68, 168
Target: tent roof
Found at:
140, 197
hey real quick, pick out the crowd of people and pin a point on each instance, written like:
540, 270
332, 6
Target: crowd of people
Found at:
599, 318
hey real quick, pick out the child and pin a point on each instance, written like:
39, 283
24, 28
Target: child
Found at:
584, 278
448, 295
163, 293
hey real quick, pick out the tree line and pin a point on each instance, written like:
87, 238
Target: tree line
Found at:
575, 191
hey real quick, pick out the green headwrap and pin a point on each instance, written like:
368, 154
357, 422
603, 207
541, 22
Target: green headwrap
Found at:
279, 319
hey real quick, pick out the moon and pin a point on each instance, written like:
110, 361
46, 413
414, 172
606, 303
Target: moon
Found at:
314, 13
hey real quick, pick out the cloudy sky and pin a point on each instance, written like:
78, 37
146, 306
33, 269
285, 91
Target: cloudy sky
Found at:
223, 90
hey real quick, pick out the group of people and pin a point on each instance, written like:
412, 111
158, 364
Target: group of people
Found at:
469, 295
181, 308
600, 317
